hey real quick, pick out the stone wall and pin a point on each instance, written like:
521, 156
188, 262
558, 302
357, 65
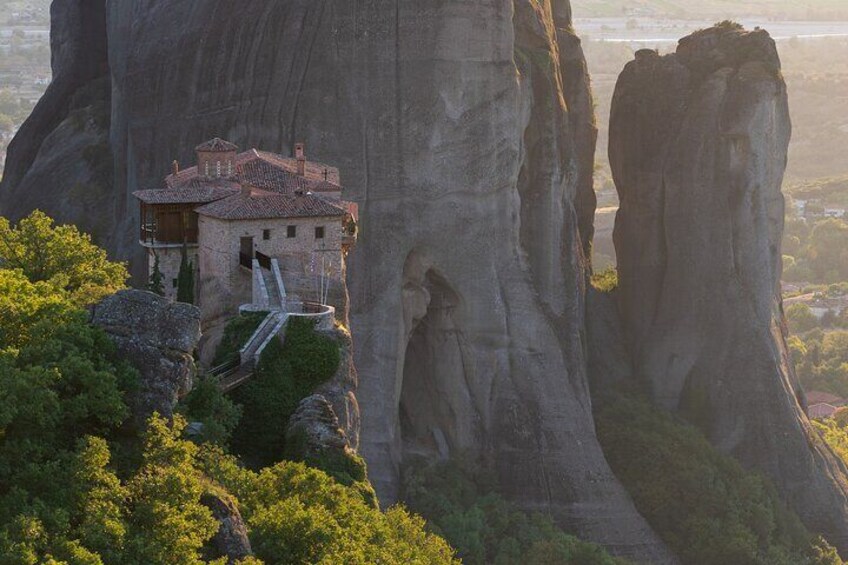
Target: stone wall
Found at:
225, 285
170, 259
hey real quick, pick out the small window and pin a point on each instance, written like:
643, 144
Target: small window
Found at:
206, 168
291, 231
218, 168
266, 234
229, 168
319, 232
174, 283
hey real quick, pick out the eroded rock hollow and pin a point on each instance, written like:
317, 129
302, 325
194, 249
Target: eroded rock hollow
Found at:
698, 147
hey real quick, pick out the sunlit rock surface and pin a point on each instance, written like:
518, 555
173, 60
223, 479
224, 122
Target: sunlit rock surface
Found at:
698, 147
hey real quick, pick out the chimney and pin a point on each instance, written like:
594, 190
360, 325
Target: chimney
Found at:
300, 155
175, 167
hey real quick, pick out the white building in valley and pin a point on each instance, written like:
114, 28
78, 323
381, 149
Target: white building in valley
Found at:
235, 212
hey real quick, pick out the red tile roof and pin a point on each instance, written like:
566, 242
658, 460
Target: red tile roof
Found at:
194, 194
271, 172
263, 204
818, 397
217, 145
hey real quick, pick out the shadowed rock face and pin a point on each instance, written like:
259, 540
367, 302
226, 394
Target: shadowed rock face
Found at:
450, 121
698, 149
60, 161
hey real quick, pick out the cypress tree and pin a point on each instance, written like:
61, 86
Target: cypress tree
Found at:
185, 279
155, 284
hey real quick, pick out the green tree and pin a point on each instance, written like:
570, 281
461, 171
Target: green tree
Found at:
800, 318
211, 407
154, 283
828, 253
285, 375
298, 515
60, 256
185, 279
168, 523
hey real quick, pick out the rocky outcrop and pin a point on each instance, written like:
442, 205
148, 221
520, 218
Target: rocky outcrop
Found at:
340, 390
313, 431
698, 149
464, 132
157, 337
231, 540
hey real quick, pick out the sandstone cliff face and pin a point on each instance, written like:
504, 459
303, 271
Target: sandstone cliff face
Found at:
464, 130
698, 148
157, 337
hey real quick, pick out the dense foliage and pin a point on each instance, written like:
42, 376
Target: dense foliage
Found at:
60, 256
819, 348
460, 503
77, 487
703, 504
816, 251
285, 375
299, 515
217, 414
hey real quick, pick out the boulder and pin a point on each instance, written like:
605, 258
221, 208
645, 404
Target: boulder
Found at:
698, 148
231, 540
157, 337
313, 430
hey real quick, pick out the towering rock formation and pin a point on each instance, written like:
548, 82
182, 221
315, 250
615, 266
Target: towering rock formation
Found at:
60, 161
698, 149
450, 121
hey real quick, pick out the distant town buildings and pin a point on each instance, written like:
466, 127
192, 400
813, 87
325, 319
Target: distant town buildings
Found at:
823, 405
235, 212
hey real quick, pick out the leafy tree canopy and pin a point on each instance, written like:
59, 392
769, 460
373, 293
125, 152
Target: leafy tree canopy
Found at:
60, 256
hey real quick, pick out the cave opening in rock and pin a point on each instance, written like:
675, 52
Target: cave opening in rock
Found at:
436, 412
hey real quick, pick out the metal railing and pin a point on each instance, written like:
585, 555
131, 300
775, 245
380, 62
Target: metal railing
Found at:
227, 368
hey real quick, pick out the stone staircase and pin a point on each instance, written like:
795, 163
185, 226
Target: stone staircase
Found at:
272, 326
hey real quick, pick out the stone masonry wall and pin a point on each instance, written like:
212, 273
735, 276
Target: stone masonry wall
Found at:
169, 265
225, 285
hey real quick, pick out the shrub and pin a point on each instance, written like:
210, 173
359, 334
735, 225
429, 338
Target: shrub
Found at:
236, 334
606, 280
